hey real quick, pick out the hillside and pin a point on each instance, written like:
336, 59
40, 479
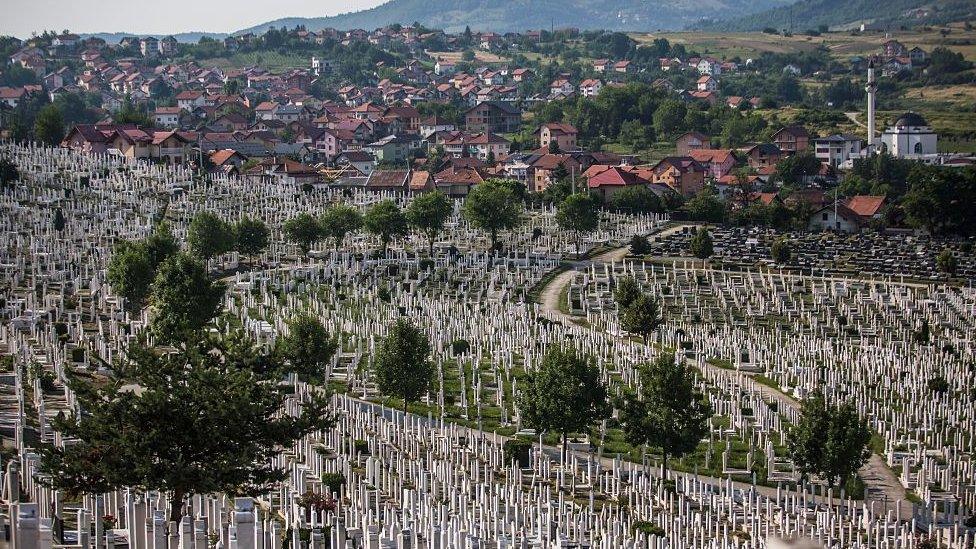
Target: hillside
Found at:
842, 14
185, 37
521, 15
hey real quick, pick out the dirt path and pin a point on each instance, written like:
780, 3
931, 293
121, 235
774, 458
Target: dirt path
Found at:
881, 484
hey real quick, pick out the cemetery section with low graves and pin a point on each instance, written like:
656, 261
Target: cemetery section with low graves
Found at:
865, 254
448, 474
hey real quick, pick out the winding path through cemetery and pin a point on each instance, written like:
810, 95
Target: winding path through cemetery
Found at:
881, 483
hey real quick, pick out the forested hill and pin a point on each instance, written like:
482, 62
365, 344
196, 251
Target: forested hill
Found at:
811, 14
521, 15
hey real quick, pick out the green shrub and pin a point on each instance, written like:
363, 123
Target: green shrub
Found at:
648, 528
334, 481
460, 346
517, 450
361, 446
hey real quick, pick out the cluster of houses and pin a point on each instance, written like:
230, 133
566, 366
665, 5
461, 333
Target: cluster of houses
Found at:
268, 125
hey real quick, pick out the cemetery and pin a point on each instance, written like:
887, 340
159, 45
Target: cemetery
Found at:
458, 464
867, 254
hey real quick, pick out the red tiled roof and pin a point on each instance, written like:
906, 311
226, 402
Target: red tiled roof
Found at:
865, 205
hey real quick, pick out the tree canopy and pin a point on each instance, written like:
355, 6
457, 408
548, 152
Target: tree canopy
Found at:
385, 220
578, 214
185, 422
184, 299
830, 441
402, 365
428, 213
308, 347
304, 230
209, 236
565, 395
493, 206
668, 411
340, 220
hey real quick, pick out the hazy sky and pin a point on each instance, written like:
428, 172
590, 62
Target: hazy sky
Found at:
21, 17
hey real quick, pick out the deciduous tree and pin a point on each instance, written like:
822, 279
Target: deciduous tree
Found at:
304, 231
830, 441
579, 214
209, 236
493, 206
402, 366
701, 244
428, 213
251, 237
667, 411
642, 316
340, 220
184, 300
565, 395
385, 220
308, 347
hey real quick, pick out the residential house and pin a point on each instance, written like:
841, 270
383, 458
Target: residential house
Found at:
792, 139
561, 86
684, 174
564, 135
228, 161
893, 48
707, 83
149, 47
624, 67
717, 162
360, 160
393, 148
190, 99
170, 147
835, 217
918, 56
601, 65
837, 149
691, 141
493, 117
435, 124
762, 155
456, 181
407, 114
590, 87
168, 46
485, 146
284, 172
167, 117
607, 180
708, 66
544, 166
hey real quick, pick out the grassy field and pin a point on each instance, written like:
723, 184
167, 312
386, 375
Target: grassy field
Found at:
272, 61
841, 44
480, 56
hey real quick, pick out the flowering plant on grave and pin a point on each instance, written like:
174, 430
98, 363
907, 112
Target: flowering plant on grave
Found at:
109, 522
316, 502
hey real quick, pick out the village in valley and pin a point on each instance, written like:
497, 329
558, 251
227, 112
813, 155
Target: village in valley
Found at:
408, 288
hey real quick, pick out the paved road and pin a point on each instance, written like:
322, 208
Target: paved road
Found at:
882, 485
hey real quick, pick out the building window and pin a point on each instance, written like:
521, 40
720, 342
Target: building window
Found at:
825, 216
918, 148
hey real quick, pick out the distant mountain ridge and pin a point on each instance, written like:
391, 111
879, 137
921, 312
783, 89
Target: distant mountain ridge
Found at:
522, 15
842, 14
